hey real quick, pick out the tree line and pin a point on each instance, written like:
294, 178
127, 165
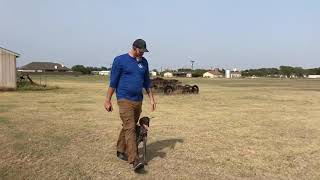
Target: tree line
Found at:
287, 71
87, 70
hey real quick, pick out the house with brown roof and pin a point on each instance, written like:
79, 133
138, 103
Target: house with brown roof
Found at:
44, 67
213, 74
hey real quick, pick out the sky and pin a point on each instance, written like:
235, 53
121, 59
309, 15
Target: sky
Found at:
215, 34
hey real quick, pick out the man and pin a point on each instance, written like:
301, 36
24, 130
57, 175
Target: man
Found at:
129, 75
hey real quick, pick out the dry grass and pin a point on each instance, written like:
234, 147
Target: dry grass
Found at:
234, 129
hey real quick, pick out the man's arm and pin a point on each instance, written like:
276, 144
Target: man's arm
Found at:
146, 85
107, 103
152, 101
114, 80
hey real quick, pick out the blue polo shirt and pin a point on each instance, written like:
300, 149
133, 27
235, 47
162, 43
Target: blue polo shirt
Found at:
129, 77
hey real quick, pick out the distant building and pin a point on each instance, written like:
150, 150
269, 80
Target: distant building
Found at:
228, 74
44, 67
235, 74
104, 73
8, 73
213, 74
101, 73
189, 75
95, 72
168, 74
153, 73
313, 76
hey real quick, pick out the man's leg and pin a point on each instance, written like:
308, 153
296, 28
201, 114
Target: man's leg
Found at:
137, 111
121, 144
126, 110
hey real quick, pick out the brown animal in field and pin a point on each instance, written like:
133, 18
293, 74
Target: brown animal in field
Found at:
142, 134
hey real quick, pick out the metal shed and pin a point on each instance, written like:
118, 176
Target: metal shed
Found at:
8, 72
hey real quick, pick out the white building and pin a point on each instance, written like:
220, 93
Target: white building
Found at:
228, 74
104, 73
189, 75
314, 76
95, 72
8, 73
168, 75
153, 73
235, 74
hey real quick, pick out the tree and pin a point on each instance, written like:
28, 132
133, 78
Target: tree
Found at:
184, 70
104, 68
198, 72
283, 70
80, 68
313, 71
89, 69
299, 71
287, 70
262, 72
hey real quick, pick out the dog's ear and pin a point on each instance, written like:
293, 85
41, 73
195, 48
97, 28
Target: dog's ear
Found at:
145, 121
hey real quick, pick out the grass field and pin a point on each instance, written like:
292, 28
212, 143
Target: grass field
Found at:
234, 129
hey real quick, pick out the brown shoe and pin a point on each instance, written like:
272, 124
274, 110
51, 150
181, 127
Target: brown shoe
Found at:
137, 165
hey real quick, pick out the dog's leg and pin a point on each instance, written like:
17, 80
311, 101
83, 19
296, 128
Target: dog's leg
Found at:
145, 150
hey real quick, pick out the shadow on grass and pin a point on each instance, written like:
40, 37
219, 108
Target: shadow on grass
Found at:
142, 172
155, 149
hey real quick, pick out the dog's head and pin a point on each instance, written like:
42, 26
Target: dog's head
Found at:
144, 121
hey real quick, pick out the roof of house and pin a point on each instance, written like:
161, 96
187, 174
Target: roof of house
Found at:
235, 72
44, 66
8, 51
215, 72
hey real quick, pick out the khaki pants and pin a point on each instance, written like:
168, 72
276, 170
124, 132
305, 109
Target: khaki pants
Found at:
129, 113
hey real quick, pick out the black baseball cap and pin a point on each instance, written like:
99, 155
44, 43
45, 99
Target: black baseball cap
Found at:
140, 44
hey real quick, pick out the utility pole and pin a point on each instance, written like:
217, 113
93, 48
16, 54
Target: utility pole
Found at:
192, 64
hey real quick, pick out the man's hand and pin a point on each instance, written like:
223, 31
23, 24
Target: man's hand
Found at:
108, 105
153, 105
